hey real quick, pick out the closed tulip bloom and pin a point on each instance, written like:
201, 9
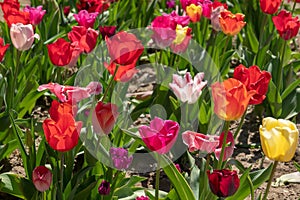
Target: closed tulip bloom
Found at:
200, 142
104, 117
286, 25
230, 98
124, 48
3, 49
270, 6
223, 183
279, 139
186, 88
121, 159
86, 19
107, 31
229, 146
104, 188
160, 136
22, 36
255, 80
217, 8
194, 12
86, 37
230, 23
36, 14
42, 178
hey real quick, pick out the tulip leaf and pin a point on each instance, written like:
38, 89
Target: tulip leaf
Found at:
297, 165
274, 99
180, 184
16, 186
290, 89
253, 41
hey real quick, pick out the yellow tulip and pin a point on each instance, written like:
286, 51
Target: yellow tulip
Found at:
279, 139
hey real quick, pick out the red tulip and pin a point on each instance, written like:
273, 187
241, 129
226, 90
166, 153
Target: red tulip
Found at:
104, 117
124, 48
3, 49
230, 98
16, 16
93, 5
270, 6
42, 178
254, 79
60, 52
124, 73
86, 37
286, 25
223, 183
107, 31
57, 108
62, 134
200, 142
161, 135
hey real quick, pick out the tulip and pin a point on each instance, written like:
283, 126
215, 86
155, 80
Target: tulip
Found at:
22, 36
124, 48
86, 19
124, 72
57, 108
231, 24
93, 5
107, 31
12, 14
104, 188
279, 139
183, 37
142, 198
223, 183
42, 178
194, 12
170, 4
36, 14
86, 38
228, 148
206, 8
9, 6
3, 49
160, 136
230, 98
200, 142
186, 89
255, 80
185, 3
217, 8
120, 158
60, 52
270, 6
67, 10
286, 25
104, 117
62, 134
72, 93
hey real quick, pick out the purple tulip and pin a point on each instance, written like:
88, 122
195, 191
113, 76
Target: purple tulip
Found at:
120, 158
104, 188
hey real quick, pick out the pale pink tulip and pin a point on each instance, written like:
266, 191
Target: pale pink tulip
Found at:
22, 36
200, 142
186, 89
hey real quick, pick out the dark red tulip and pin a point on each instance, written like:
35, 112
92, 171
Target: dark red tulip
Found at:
104, 188
41, 178
107, 31
223, 183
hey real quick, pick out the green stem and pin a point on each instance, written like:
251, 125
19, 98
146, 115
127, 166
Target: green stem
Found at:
226, 129
270, 180
62, 161
224, 50
240, 124
157, 179
294, 6
280, 68
15, 81
110, 82
262, 30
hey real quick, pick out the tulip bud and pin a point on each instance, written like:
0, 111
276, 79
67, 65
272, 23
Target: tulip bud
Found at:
104, 188
120, 158
22, 36
42, 178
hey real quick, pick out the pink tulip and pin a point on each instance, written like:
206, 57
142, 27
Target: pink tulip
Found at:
72, 93
186, 89
229, 147
42, 178
36, 14
160, 136
22, 36
86, 19
200, 142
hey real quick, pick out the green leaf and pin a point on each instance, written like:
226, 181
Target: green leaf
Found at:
297, 165
16, 186
180, 184
274, 100
252, 39
290, 88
